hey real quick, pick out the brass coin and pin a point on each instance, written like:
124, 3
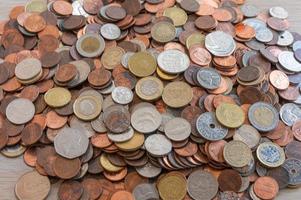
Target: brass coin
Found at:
163, 32
172, 186
230, 115
142, 64
166, 76
87, 108
178, 15
133, 144
107, 165
57, 97
149, 88
90, 45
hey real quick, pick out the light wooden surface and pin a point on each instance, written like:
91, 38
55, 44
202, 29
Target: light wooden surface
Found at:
11, 169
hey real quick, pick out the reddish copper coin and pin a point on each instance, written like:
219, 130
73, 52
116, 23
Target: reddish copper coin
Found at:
225, 184
188, 150
116, 12
244, 31
92, 187
3, 138
30, 92
101, 141
30, 156
199, 55
116, 176
222, 15
55, 121
122, 195
219, 99
66, 168
70, 190
34, 23
62, 8
66, 73
50, 59
31, 133
266, 187
48, 43
99, 77
92, 6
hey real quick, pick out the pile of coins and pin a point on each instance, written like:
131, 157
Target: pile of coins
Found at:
153, 99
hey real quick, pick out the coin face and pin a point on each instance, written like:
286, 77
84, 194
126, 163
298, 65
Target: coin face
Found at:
57, 97
90, 45
28, 69
142, 64
122, 95
237, 154
110, 31
288, 61
208, 78
145, 191
149, 88
263, 116
220, 44
290, 113
209, 128
293, 166
172, 186
247, 134
163, 32
230, 115
87, 107
173, 61
178, 15
20, 111
270, 154
177, 129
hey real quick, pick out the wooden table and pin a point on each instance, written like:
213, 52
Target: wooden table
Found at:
11, 169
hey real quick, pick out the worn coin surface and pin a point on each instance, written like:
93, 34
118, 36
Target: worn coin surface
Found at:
220, 44
149, 88
230, 115
290, 113
142, 64
237, 154
173, 61
122, 95
270, 154
177, 129
158, 145
90, 45
57, 97
208, 78
20, 111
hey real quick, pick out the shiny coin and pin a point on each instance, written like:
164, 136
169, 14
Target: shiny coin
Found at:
285, 39
230, 115
177, 129
270, 154
173, 61
220, 44
90, 45
278, 12
28, 69
87, 107
122, 137
122, 95
279, 80
142, 64
237, 154
20, 111
71, 142
57, 97
163, 32
263, 116
177, 94
209, 128
158, 145
264, 35
208, 78
288, 61
110, 31
149, 88
290, 113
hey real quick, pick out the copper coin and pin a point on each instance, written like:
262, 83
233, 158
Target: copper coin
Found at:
250, 95
55, 121
12, 37
50, 59
205, 22
122, 195
66, 168
244, 31
70, 190
248, 74
3, 138
115, 12
279, 80
101, 141
116, 118
62, 8
99, 77
31, 133
92, 6
290, 94
133, 179
266, 187
92, 187
30, 92
65, 73
34, 23
278, 24
30, 156
225, 184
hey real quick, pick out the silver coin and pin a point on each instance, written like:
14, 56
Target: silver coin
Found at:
208, 78
293, 166
83, 70
246, 57
285, 39
249, 10
146, 191
146, 120
264, 35
165, 118
121, 137
278, 12
288, 61
108, 90
149, 170
290, 113
248, 135
98, 125
28, 68
20, 111
141, 45
110, 31
125, 59
209, 128
158, 145
177, 129
71, 143
297, 45
90, 45
85, 127
264, 117
255, 23
122, 95
173, 61
270, 154
255, 45
220, 43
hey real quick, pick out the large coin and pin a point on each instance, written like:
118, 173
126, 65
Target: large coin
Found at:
158, 145
263, 116
57, 97
290, 113
142, 64
178, 15
237, 154
270, 154
87, 107
220, 43
149, 88
177, 129
209, 128
116, 118
230, 115
288, 61
208, 78
293, 166
173, 61
90, 45
20, 111
163, 32
247, 134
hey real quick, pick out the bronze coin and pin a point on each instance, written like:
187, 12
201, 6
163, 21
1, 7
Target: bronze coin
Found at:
34, 23
12, 129
66, 168
48, 43
92, 6
115, 12
125, 79
65, 73
30, 92
116, 118
74, 22
31, 134
99, 77
12, 37
250, 95
248, 74
225, 184
92, 187
143, 19
190, 5
4, 74
70, 190
290, 94
259, 61
3, 138
132, 7
62, 8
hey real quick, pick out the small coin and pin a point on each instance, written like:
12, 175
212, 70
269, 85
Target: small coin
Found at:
149, 88
32, 185
177, 129
122, 95
279, 80
177, 94
220, 44
163, 32
110, 31
90, 45
57, 97
290, 113
278, 12
230, 115
266, 187
237, 154
172, 186
87, 107
173, 61
71, 143
20, 111
142, 64
145, 191
270, 154
208, 78
209, 128
264, 117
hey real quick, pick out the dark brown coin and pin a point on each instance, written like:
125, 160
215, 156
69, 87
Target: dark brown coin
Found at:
4, 74
250, 95
116, 12
66, 168
92, 187
116, 118
48, 43
190, 5
12, 37
248, 74
291, 93
225, 184
65, 73
12, 129
143, 19
99, 77
292, 150
3, 138
281, 175
50, 59
68, 38
259, 61
49, 17
132, 7
74, 22
31, 133
70, 190
205, 22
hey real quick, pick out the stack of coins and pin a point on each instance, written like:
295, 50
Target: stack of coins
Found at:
154, 99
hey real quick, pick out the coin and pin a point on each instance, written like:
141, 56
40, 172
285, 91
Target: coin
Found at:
122, 95
163, 32
173, 61
279, 80
220, 44
178, 15
148, 171
288, 61
263, 116
34, 23
177, 129
266, 188
133, 144
90, 45
172, 186
70, 189
28, 69
209, 128
290, 113
87, 107
270, 154
145, 191
199, 55
230, 115
142, 64
66, 168
224, 184
293, 165
177, 94
116, 118
237, 154
149, 88
208, 78
247, 134
110, 31
57, 97
20, 111
278, 12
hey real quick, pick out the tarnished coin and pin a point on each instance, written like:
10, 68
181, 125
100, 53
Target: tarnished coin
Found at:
149, 88
172, 186
142, 64
264, 117
116, 118
177, 94
173, 61
149, 170
220, 44
90, 45
208, 78
237, 154
202, 185
278, 12
122, 137
270, 154
209, 128
266, 188
279, 80
20, 111
199, 55
158, 145
163, 32
107, 165
177, 129
290, 113
281, 175
145, 191
293, 166
230, 115
87, 107
178, 15
71, 142
247, 134
122, 95
57, 97
110, 31
28, 69
32, 186
288, 61
146, 119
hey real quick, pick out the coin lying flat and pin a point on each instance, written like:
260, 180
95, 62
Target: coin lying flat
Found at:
158, 145
173, 61
90, 45
28, 69
163, 32
20, 111
270, 154
290, 113
177, 129
57, 97
220, 44
208, 78
149, 88
230, 115
122, 95
172, 186
142, 64
237, 154
293, 166
87, 107
145, 191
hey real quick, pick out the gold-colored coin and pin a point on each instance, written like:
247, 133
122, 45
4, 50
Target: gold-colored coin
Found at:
107, 165
195, 38
177, 94
166, 76
178, 15
142, 64
13, 151
172, 186
133, 144
163, 32
36, 6
237, 154
111, 57
230, 115
57, 97
87, 108
149, 88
